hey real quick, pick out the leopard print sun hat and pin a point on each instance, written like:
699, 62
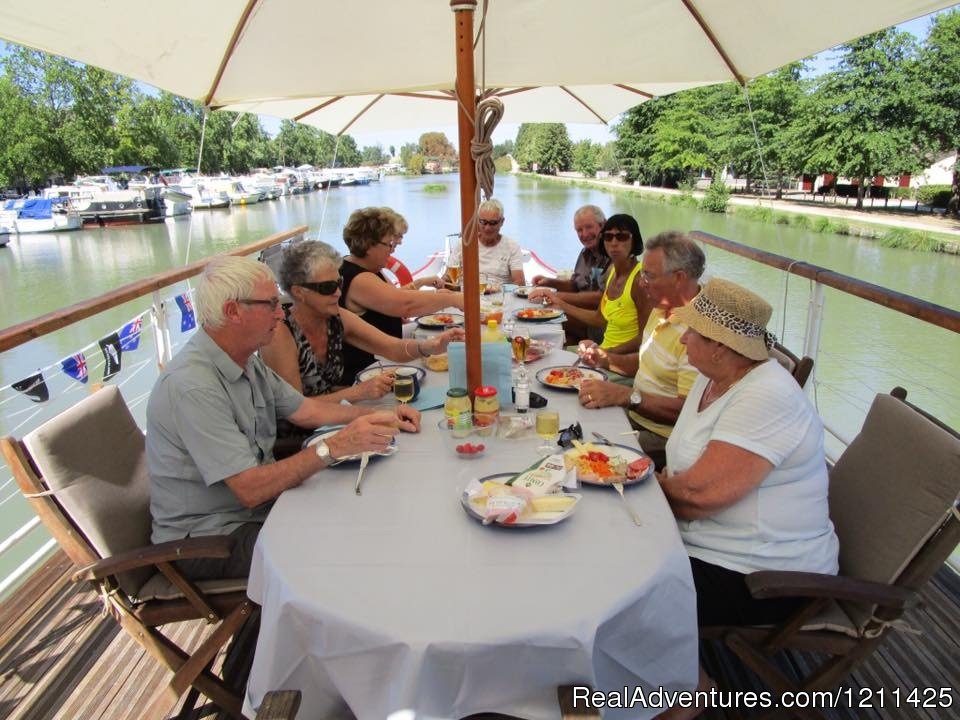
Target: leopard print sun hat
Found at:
732, 315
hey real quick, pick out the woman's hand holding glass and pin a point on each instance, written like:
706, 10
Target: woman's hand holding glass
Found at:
376, 387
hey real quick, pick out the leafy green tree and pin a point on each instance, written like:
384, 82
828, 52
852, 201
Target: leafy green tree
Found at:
681, 137
347, 154
636, 136
22, 151
544, 146
504, 148
860, 121
586, 157
373, 155
407, 150
939, 76
608, 160
436, 146
415, 164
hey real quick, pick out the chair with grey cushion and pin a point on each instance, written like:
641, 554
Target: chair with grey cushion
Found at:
84, 473
800, 368
897, 519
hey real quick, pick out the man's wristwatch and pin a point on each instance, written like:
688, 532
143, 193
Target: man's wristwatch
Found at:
323, 452
636, 399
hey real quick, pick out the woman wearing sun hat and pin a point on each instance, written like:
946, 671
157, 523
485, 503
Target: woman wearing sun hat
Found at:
746, 476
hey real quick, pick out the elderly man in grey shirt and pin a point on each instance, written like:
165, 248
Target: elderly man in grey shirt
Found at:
212, 420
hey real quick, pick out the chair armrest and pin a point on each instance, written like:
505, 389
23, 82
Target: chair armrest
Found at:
279, 705
766, 584
208, 546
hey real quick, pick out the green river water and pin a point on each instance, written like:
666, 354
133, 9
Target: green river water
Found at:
865, 349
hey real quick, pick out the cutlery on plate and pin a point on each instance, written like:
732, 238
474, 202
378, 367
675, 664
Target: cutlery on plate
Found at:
619, 486
364, 459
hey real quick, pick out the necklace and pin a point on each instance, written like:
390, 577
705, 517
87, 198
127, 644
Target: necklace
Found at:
712, 393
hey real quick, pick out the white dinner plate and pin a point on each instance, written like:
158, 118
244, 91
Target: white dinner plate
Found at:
569, 379
372, 372
530, 520
629, 454
327, 432
537, 314
439, 321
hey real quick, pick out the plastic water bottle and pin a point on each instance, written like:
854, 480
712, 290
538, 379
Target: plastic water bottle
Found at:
522, 391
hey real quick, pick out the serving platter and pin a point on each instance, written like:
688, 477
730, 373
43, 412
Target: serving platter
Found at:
474, 506
565, 377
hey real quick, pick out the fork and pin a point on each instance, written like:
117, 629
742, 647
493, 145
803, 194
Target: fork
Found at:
364, 459
618, 486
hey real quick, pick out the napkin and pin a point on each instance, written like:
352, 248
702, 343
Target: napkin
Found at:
429, 398
497, 361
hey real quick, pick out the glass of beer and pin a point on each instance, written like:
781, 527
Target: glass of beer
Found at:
547, 427
482, 284
520, 343
453, 270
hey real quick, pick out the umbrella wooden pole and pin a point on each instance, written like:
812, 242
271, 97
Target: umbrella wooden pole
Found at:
463, 30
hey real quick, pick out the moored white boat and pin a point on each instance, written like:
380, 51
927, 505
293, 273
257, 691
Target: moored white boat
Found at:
38, 215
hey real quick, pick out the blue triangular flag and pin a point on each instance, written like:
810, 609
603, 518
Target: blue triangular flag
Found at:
188, 320
130, 335
76, 367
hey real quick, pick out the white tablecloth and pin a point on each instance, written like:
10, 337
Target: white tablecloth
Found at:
398, 601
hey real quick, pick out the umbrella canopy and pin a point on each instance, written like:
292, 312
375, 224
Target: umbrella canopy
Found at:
376, 64
289, 57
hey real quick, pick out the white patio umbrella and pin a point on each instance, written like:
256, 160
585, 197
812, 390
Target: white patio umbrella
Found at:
377, 64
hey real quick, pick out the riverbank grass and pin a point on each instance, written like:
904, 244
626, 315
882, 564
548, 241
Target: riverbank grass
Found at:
434, 188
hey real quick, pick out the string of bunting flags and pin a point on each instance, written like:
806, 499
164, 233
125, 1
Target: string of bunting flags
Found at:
112, 346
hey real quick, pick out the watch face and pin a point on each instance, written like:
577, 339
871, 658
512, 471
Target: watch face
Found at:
635, 398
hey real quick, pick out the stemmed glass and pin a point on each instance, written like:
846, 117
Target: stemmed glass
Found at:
403, 388
453, 270
548, 427
520, 342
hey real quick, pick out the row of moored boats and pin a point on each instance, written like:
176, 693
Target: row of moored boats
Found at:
101, 200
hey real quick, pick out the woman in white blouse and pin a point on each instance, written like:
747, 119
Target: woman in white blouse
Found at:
746, 476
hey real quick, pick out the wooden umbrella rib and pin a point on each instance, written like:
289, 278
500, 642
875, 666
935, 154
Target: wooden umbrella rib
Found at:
234, 39
357, 116
317, 108
582, 102
648, 96
688, 4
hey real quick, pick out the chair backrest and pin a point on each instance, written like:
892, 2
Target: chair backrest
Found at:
894, 488
92, 460
800, 368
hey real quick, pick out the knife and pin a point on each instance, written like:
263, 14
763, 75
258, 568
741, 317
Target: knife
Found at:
600, 438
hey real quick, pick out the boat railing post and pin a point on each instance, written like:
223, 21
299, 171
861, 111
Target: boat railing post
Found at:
811, 337
161, 333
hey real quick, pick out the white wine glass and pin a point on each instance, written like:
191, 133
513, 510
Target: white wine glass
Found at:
547, 427
404, 388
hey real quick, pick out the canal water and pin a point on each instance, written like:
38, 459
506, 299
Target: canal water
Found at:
865, 349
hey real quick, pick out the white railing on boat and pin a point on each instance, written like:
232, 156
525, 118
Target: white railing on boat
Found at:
820, 278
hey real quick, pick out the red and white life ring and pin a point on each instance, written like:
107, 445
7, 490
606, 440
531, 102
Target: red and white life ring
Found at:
399, 271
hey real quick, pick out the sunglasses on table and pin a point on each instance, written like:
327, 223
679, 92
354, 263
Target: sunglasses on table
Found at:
326, 287
483, 221
622, 235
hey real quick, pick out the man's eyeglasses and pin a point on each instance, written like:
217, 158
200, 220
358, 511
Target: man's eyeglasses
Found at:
650, 277
325, 287
621, 235
273, 302
484, 221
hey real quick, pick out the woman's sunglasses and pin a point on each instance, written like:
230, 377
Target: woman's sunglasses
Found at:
327, 287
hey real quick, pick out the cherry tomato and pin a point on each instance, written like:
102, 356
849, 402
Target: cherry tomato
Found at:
481, 447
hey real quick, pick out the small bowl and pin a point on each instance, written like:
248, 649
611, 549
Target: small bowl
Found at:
467, 444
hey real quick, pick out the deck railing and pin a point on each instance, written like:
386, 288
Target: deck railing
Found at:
819, 277
24, 332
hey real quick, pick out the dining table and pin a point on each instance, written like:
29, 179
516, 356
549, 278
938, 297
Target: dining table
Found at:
398, 603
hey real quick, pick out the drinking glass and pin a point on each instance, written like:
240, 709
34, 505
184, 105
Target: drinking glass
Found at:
453, 270
482, 284
403, 388
548, 427
520, 342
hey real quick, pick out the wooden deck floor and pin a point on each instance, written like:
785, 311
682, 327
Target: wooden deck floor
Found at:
61, 659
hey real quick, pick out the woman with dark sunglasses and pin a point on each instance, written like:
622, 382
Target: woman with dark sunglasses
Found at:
372, 234
307, 349
624, 306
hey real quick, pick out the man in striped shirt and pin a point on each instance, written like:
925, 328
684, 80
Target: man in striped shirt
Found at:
662, 375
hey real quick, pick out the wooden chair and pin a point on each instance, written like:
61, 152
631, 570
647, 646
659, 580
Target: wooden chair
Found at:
279, 705
800, 368
893, 502
84, 473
